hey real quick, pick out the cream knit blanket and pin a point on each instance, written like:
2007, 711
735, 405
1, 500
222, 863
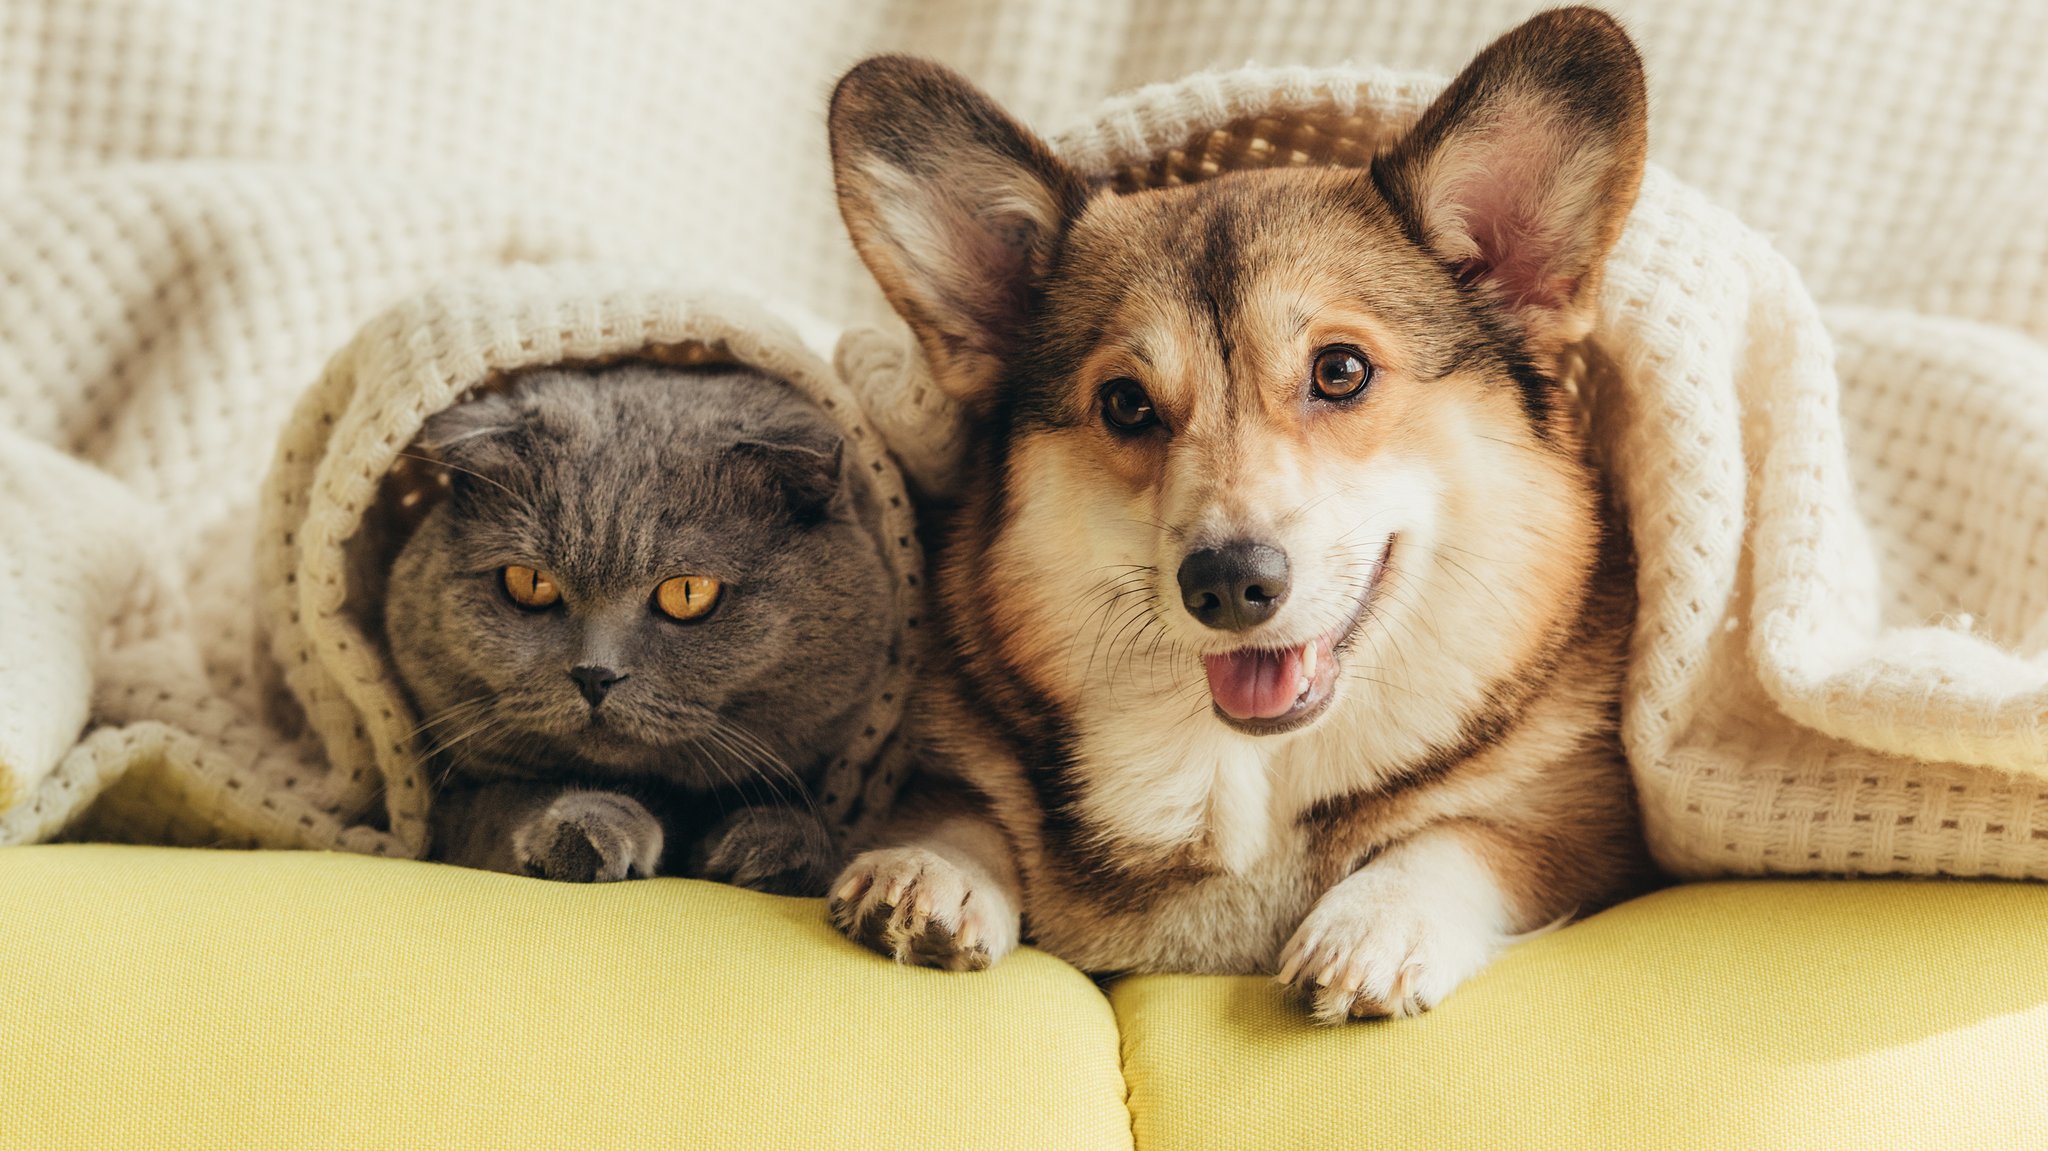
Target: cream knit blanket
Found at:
1844, 640
324, 749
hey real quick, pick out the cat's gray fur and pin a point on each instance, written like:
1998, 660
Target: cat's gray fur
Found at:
700, 759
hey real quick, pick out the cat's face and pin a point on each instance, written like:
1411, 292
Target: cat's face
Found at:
637, 573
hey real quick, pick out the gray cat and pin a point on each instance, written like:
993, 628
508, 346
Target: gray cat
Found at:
643, 619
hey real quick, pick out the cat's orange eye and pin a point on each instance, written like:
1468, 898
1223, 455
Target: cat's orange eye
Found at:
687, 597
530, 589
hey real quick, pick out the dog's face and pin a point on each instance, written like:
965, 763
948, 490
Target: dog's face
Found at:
1232, 423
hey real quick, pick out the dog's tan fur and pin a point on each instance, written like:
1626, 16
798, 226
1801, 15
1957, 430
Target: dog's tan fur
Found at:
1466, 782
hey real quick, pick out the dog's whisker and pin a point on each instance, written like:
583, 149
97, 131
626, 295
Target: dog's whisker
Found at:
1481, 584
1120, 621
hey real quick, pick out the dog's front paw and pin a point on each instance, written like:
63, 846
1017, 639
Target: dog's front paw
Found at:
1373, 949
589, 837
915, 906
773, 849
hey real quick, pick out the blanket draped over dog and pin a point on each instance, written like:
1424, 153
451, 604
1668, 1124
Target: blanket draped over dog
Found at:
1841, 514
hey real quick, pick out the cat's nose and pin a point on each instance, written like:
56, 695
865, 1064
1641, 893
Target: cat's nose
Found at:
594, 682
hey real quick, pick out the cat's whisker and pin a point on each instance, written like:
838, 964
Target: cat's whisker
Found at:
442, 747
755, 757
451, 713
439, 463
726, 778
768, 758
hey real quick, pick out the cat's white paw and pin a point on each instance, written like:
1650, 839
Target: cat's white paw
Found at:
1394, 939
916, 906
589, 837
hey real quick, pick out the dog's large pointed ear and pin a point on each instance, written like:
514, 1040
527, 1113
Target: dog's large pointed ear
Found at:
955, 206
1521, 175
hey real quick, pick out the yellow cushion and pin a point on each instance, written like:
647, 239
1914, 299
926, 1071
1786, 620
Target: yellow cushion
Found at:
1891, 1015
156, 998
153, 998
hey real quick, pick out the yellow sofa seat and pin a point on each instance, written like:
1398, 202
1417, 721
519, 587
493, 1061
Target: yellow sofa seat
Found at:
162, 999
157, 999
1893, 1016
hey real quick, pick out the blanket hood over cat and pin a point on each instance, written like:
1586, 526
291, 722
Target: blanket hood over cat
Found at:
335, 760
345, 492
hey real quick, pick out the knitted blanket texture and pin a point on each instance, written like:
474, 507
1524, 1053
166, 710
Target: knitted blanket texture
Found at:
243, 254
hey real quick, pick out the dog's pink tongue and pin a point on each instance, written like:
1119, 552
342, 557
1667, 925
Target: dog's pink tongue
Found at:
1255, 684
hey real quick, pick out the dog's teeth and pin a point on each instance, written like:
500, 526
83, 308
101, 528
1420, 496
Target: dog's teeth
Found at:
1308, 662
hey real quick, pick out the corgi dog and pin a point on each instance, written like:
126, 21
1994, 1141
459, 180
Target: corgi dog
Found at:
1284, 612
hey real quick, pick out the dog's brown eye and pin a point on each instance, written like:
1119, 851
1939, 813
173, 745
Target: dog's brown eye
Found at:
530, 589
1340, 374
1126, 406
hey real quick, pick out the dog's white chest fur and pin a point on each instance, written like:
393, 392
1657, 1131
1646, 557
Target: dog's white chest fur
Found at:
1191, 787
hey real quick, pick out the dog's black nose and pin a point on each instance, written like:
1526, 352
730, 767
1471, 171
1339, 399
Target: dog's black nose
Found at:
594, 682
1234, 586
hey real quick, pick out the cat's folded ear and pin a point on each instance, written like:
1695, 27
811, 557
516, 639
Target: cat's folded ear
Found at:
808, 474
473, 439
956, 208
1520, 176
